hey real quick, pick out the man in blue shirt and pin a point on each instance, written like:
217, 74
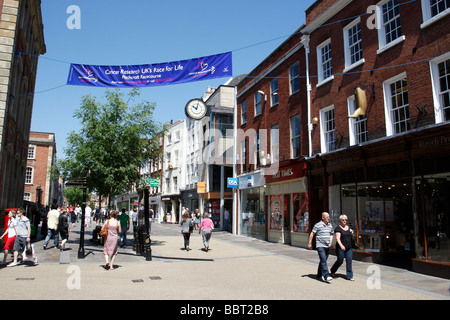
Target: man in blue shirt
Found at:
323, 231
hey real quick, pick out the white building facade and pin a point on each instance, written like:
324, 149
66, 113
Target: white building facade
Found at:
173, 176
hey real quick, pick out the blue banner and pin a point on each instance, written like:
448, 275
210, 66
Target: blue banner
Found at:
151, 75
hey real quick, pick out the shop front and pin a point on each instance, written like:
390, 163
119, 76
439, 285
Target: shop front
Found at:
287, 198
396, 194
170, 208
211, 205
190, 199
252, 215
155, 205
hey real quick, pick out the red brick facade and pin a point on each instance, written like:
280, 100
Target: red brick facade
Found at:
289, 105
41, 158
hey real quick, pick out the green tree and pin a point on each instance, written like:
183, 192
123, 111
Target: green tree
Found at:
116, 139
73, 196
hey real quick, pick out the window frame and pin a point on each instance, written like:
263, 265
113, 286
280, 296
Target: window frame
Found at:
33, 156
322, 76
295, 137
382, 43
274, 92
428, 18
294, 79
436, 87
244, 112
388, 107
275, 133
29, 177
353, 124
324, 132
347, 48
258, 102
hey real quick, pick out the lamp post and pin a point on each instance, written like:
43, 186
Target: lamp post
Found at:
142, 241
83, 213
146, 233
80, 183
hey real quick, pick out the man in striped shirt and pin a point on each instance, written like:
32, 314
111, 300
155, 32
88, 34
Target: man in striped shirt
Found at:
323, 231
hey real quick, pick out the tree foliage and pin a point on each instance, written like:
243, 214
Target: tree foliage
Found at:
117, 137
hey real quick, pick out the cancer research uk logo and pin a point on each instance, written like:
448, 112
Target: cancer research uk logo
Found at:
88, 75
202, 69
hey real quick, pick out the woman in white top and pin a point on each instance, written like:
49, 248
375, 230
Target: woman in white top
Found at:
11, 231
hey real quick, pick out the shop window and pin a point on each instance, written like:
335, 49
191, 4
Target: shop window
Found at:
371, 213
253, 222
301, 215
432, 198
276, 212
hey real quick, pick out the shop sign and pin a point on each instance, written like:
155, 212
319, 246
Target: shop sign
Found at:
287, 173
232, 183
153, 182
252, 181
434, 142
201, 187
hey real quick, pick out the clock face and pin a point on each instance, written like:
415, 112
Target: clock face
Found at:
196, 109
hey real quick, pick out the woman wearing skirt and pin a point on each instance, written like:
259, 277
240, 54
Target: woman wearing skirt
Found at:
111, 243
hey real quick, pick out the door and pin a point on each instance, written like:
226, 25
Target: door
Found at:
286, 219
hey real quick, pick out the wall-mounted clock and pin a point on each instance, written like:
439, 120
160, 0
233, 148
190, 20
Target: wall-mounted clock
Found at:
196, 109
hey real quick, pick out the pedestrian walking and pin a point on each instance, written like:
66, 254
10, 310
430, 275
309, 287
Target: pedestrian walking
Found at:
323, 231
124, 220
111, 242
78, 212
205, 228
226, 217
134, 217
186, 229
10, 233
52, 226
22, 237
197, 219
63, 228
87, 216
343, 247
151, 215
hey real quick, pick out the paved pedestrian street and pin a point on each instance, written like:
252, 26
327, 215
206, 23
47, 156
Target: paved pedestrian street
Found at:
235, 268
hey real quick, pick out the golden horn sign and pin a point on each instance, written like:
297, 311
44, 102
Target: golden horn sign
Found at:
360, 102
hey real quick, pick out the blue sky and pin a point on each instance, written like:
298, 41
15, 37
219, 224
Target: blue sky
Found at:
147, 32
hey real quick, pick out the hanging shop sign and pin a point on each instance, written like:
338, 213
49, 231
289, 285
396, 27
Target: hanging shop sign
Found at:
151, 75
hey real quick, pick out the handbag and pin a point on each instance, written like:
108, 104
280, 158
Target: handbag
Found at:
354, 242
104, 231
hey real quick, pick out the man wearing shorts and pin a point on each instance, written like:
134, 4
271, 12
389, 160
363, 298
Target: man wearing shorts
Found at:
23, 235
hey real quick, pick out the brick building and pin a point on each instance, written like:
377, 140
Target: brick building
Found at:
21, 42
388, 169
271, 142
41, 158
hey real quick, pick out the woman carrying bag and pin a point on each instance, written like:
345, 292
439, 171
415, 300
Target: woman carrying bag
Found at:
112, 240
186, 229
343, 247
206, 227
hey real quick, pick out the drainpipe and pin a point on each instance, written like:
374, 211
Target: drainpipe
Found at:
305, 42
